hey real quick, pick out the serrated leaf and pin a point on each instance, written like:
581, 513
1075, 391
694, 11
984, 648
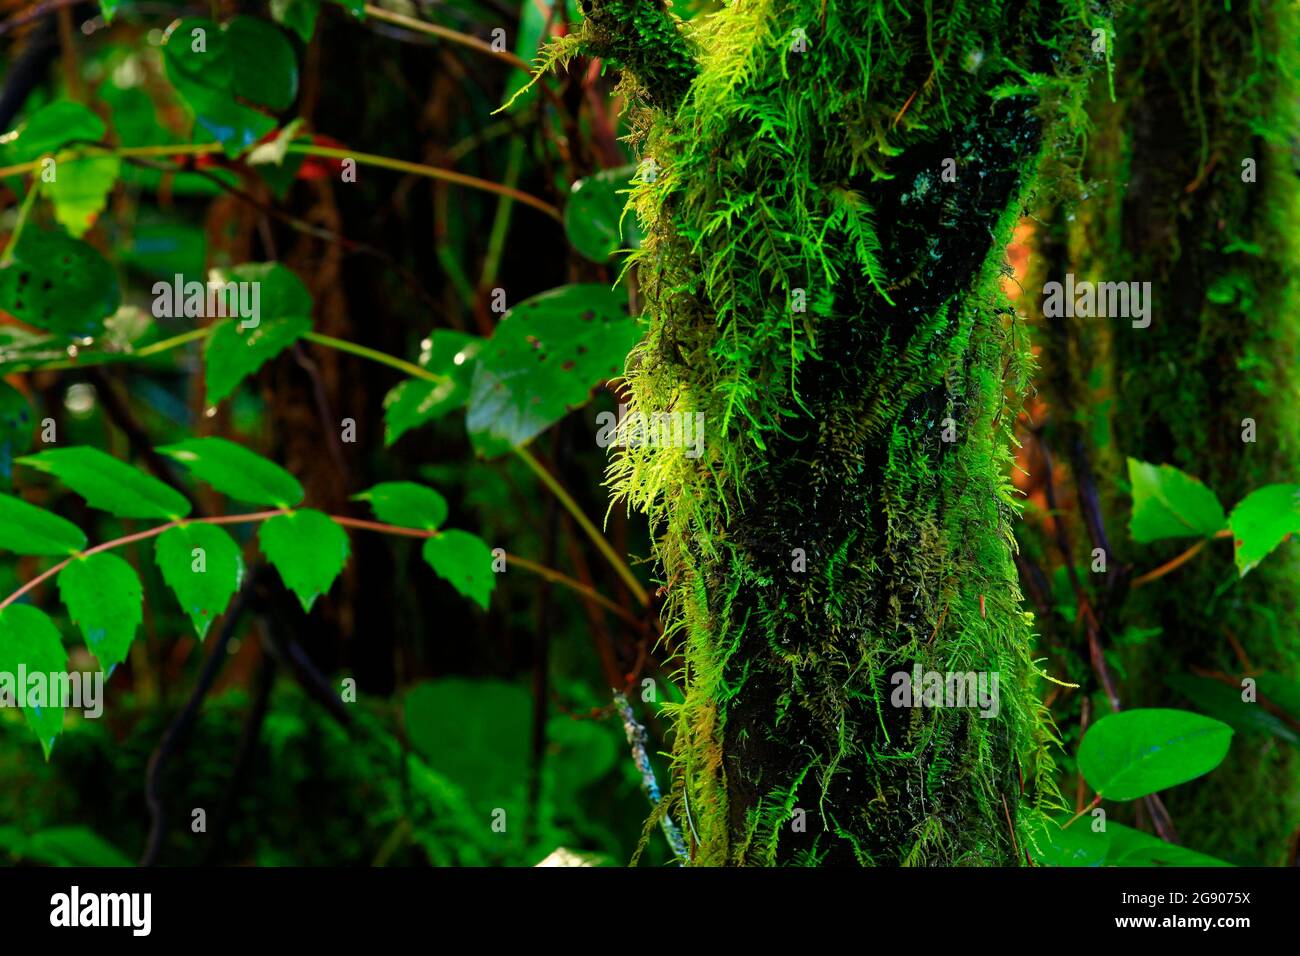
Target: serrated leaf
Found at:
15, 428
203, 566
1168, 503
546, 355
417, 402
233, 353
59, 284
106, 602
1261, 521
50, 128
593, 217
27, 529
406, 504
1135, 753
80, 190
307, 549
110, 485
237, 472
465, 562
28, 639
280, 293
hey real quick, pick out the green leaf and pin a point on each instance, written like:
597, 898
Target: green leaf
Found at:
1168, 503
235, 471
281, 294
110, 485
594, 212
64, 846
80, 190
298, 15
1079, 845
28, 639
1138, 752
1222, 702
543, 360
233, 353
59, 284
216, 70
416, 401
308, 549
406, 504
202, 565
464, 561
1261, 521
1129, 847
1280, 691
109, 9
49, 129
27, 529
15, 428
106, 602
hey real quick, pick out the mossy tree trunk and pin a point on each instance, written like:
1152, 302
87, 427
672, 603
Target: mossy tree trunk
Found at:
827, 190
1197, 193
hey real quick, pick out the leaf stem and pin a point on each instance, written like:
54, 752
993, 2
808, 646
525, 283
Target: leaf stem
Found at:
542, 570
12, 247
596, 537
433, 29
1175, 563
383, 358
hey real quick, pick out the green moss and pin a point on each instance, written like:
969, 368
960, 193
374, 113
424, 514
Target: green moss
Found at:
826, 298
1199, 89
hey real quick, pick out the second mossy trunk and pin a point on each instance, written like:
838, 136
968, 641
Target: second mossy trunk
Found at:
826, 204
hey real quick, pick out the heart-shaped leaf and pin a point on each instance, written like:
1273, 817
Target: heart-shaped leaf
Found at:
465, 562
1168, 503
308, 549
202, 565
1138, 752
105, 600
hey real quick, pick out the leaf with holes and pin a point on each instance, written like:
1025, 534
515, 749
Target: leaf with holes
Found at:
308, 549
233, 353
593, 218
237, 472
465, 562
1168, 503
110, 485
105, 601
417, 401
1263, 520
29, 640
406, 505
59, 284
202, 565
27, 529
1135, 753
545, 357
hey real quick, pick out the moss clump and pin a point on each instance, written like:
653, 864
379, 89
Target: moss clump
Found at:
825, 220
